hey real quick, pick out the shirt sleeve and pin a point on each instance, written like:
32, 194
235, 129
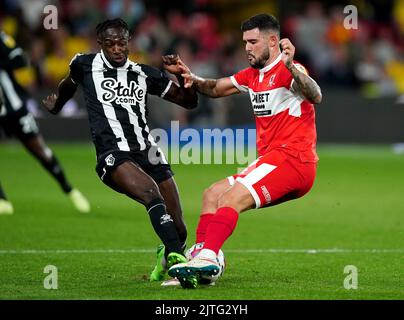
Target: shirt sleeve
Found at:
157, 82
241, 80
76, 69
9, 51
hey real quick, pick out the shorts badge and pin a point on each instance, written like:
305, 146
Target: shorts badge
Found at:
110, 160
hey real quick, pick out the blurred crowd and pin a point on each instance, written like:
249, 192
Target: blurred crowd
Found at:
370, 57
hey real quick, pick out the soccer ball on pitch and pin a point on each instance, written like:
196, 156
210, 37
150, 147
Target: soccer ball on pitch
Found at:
194, 251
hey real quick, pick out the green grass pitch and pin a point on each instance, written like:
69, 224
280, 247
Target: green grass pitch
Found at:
353, 216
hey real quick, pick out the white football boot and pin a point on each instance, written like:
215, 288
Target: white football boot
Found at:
79, 201
6, 207
190, 272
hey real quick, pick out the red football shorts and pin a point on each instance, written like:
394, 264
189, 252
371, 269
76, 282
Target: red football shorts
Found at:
276, 177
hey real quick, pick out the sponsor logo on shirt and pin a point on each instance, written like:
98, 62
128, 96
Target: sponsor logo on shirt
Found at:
116, 91
260, 102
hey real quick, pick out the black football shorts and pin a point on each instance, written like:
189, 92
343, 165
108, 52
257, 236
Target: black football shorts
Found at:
156, 167
19, 124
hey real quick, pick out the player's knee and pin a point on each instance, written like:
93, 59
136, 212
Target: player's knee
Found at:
149, 194
227, 199
211, 195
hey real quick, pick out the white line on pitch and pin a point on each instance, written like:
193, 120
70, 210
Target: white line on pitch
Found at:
241, 251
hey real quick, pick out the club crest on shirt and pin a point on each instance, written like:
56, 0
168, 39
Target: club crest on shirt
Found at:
272, 80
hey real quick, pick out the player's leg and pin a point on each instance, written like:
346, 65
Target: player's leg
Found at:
5, 206
26, 129
209, 206
249, 190
210, 199
37, 147
131, 180
6, 128
276, 177
169, 191
233, 201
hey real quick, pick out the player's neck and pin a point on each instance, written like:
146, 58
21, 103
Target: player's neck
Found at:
272, 58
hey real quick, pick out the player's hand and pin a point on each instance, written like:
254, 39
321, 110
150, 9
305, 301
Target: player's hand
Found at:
186, 73
49, 102
288, 52
174, 65
171, 63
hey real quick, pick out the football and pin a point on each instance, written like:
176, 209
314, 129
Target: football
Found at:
193, 251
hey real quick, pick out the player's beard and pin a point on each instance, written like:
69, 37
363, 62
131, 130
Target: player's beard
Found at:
259, 62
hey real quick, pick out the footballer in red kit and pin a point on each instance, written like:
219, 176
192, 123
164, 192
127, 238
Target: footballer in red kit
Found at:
286, 135
282, 95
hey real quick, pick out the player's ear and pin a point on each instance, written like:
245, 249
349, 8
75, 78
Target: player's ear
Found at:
273, 40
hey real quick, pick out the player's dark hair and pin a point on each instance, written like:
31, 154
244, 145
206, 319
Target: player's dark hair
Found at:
261, 21
114, 23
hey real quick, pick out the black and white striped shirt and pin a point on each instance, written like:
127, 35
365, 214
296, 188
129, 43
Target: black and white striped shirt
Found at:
116, 100
14, 95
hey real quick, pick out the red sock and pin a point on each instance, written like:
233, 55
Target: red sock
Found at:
220, 227
204, 220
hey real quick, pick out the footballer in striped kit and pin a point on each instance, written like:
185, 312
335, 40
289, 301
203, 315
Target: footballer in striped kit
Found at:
128, 159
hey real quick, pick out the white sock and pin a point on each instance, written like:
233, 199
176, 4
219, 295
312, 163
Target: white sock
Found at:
207, 254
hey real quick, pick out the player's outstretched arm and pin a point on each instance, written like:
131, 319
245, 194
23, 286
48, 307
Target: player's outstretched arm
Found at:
214, 88
303, 83
66, 89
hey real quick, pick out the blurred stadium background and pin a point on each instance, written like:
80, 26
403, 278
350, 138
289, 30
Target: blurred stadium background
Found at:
360, 71
355, 206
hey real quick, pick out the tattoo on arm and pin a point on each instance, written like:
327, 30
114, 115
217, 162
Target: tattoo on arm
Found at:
306, 86
205, 86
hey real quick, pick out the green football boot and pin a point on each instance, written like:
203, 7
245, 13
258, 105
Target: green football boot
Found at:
175, 258
160, 270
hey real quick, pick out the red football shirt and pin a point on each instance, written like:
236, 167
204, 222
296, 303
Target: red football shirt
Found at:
284, 119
